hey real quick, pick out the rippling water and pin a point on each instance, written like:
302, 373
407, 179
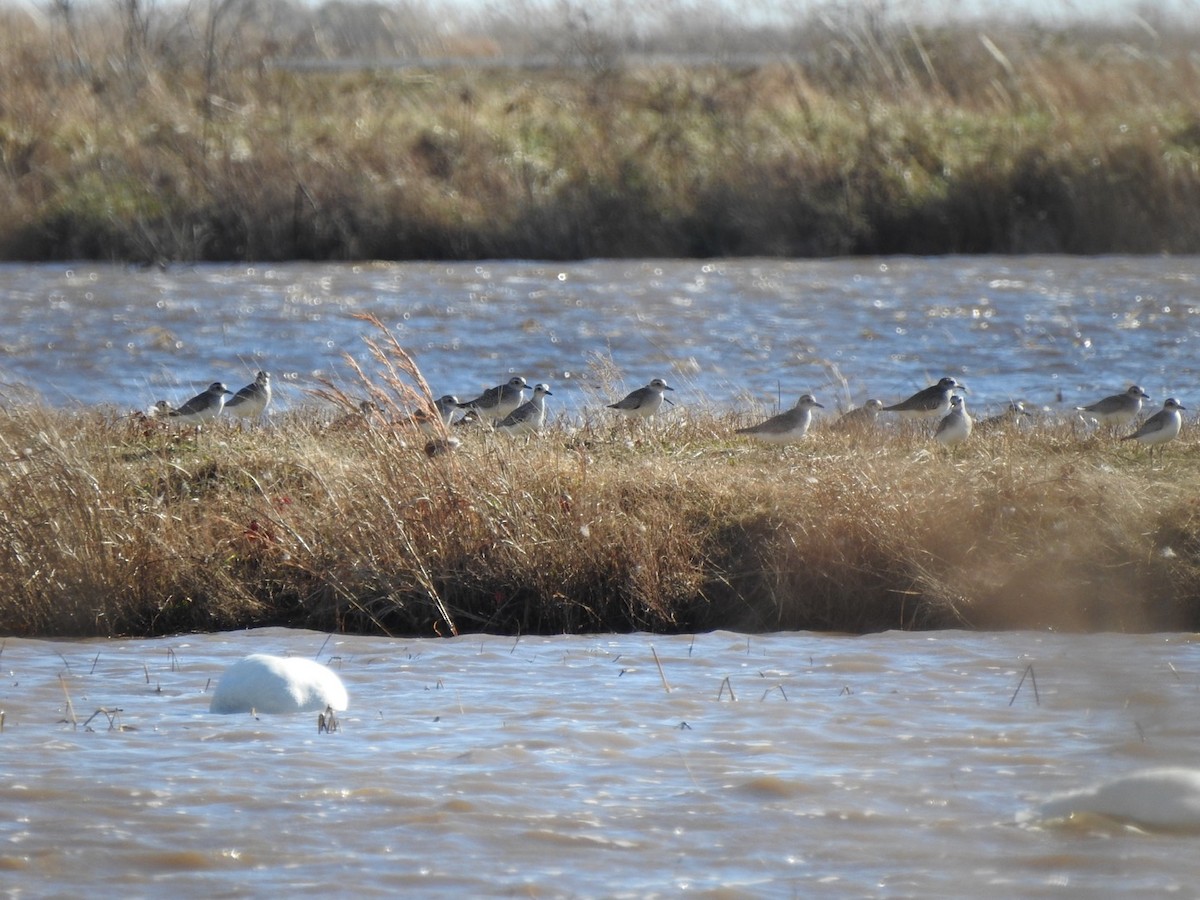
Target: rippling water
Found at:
1039, 328
798, 764
777, 765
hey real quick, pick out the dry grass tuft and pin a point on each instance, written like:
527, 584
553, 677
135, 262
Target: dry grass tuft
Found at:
111, 526
254, 131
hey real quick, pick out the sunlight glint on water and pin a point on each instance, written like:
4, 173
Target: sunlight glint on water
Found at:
1031, 327
882, 765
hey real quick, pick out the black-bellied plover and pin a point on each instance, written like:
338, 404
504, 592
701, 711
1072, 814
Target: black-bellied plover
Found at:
529, 417
931, 403
786, 427
956, 426
1117, 410
860, 419
202, 408
644, 402
1161, 427
252, 400
1014, 414
496, 403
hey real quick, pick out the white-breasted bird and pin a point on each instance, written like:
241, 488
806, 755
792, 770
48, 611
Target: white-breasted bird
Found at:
160, 410
446, 405
496, 403
956, 426
529, 417
1117, 410
202, 408
786, 427
644, 402
252, 400
930, 403
1161, 427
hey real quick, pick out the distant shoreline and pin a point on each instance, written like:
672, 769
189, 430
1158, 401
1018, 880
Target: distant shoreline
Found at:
855, 137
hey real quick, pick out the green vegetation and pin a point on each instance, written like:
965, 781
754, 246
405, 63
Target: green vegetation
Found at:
151, 134
117, 525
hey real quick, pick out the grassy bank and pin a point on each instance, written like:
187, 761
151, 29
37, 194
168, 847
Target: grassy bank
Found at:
111, 525
153, 139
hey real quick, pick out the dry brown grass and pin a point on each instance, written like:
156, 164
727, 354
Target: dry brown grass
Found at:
861, 136
111, 525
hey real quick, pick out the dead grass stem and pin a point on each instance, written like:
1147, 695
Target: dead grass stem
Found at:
197, 137
108, 531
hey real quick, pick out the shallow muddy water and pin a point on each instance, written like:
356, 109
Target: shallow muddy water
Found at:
1055, 331
795, 764
776, 765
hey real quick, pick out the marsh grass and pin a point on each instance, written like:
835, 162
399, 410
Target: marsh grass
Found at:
188, 137
111, 527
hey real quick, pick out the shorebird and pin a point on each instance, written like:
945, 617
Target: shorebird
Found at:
444, 409
787, 426
529, 417
441, 446
201, 408
1012, 415
496, 403
470, 419
446, 405
362, 417
859, 419
1117, 410
930, 403
252, 400
644, 402
1161, 427
160, 410
956, 427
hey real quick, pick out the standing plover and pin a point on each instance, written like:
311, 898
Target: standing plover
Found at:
160, 410
644, 402
362, 417
496, 403
1013, 414
446, 405
1117, 410
787, 426
930, 403
252, 400
859, 419
201, 408
956, 426
528, 417
433, 422
1161, 427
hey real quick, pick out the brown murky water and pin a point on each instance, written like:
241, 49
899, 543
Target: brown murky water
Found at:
777, 765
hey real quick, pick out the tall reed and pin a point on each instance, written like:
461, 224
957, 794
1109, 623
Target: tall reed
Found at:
112, 525
197, 133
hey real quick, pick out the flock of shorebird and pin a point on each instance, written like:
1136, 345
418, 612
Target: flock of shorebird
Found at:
248, 403
505, 408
